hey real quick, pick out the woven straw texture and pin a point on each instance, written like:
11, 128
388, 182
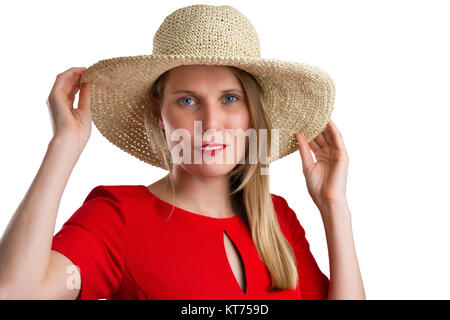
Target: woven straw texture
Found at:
300, 97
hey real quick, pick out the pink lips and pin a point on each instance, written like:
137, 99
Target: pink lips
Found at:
211, 152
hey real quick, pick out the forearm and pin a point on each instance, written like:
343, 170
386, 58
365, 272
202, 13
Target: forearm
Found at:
26, 243
345, 276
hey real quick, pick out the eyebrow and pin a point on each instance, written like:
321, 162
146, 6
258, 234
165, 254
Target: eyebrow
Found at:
223, 91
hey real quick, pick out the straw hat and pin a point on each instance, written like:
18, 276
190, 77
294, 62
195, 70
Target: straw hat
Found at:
300, 97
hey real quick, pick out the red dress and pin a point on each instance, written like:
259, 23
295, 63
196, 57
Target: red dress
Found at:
126, 249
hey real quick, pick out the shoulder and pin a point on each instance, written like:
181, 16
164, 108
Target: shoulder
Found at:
117, 193
280, 204
106, 205
286, 216
284, 213
104, 202
278, 200
289, 222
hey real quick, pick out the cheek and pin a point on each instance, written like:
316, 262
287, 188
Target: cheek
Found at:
171, 123
240, 120
175, 120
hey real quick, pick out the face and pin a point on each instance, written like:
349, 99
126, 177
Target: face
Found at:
204, 104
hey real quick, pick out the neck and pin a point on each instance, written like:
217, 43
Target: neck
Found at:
207, 196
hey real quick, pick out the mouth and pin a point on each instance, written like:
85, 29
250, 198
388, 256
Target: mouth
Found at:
211, 148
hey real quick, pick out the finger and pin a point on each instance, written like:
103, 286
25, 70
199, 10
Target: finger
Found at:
66, 86
84, 101
336, 136
305, 152
73, 92
67, 80
326, 134
320, 140
314, 146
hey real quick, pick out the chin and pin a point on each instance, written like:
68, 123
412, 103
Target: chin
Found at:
208, 170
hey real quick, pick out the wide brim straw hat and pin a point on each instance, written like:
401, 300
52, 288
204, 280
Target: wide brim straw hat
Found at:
299, 96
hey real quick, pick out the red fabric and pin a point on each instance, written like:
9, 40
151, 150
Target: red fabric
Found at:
126, 248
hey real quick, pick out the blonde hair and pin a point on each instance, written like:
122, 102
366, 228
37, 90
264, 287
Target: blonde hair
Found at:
250, 192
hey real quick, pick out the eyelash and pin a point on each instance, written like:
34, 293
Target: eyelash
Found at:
187, 105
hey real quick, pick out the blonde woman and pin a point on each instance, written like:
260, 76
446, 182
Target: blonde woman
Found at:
207, 230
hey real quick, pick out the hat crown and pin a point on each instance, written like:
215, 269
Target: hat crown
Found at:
207, 30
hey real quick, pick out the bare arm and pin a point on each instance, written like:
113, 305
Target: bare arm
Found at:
345, 277
29, 269
326, 180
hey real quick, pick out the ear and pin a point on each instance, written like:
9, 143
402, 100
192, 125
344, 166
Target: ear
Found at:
161, 123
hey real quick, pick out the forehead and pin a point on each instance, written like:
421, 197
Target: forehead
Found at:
202, 78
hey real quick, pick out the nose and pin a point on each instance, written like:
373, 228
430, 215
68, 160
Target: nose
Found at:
211, 117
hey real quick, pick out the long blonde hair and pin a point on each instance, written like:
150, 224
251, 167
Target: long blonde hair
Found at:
250, 192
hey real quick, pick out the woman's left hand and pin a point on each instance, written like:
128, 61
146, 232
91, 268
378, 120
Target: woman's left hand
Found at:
326, 179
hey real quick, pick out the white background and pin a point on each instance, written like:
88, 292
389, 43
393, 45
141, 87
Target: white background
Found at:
390, 63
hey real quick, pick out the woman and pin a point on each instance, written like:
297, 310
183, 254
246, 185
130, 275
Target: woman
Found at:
208, 230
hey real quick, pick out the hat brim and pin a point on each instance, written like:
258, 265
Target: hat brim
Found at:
300, 97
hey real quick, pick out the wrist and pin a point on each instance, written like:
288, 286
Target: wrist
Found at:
335, 210
338, 204
67, 142
65, 146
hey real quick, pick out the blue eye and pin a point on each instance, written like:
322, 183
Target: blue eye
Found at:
184, 99
190, 99
231, 96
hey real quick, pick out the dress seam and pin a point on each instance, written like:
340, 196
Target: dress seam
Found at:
126, 246
136, 283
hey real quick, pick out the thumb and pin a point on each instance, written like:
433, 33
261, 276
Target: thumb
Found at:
84, 101
305, 152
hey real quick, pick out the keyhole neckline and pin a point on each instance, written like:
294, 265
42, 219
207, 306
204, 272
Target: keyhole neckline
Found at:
241, 259
189, 213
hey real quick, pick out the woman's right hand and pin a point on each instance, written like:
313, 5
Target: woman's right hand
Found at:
68, 122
